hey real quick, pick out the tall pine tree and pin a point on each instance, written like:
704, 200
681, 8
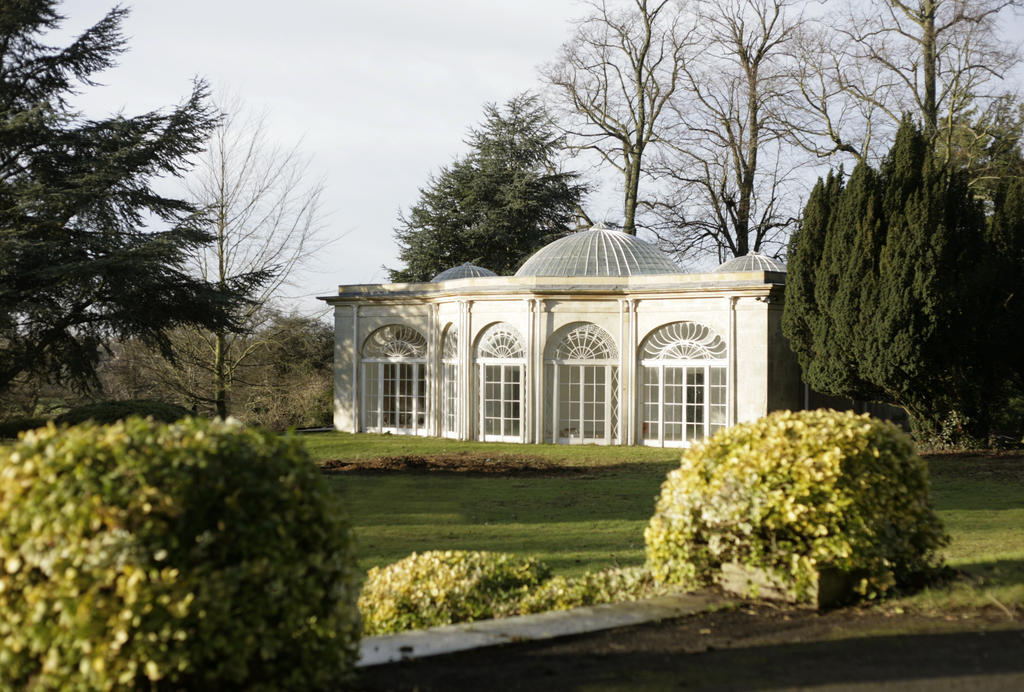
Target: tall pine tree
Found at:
88, 248
898, 305
498, 204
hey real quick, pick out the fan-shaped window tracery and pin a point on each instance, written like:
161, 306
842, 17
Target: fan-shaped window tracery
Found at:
683, 341
395, 341
586, 342
501, 341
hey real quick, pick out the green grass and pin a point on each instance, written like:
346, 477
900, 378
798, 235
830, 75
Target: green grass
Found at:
980, 499
595, 518
575, 522
346, 446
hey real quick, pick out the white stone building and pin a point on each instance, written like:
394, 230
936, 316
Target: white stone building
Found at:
597, 339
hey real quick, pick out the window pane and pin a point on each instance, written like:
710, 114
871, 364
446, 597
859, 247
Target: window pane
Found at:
450, 401
650, 403
717, 399
672, 413
371, 397
695, 403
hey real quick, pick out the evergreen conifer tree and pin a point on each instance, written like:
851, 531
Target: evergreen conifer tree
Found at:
903, 307
498, 204
803, 314
842, 283
1006, 237
88, 248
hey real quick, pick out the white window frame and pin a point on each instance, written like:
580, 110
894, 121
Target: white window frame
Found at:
584, 345
672, 341
386, 350
450, 401
686, 366
501, 345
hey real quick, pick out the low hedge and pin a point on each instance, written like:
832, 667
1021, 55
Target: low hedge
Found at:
112, 411
445, 587
795, 492
196, 555
614, 585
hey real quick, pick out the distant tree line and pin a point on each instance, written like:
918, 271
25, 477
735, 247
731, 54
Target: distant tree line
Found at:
904, 277
110, 287
906, 287
713, 114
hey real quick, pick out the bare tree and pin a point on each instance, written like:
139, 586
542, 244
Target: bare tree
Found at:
263, 209
865, 65
726, 173
614, 79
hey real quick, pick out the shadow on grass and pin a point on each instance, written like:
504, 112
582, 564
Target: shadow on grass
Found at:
493, 499
1006, 572
972, 659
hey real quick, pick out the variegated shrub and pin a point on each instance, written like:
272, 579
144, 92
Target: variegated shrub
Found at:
793, 493
443, 587
195, 555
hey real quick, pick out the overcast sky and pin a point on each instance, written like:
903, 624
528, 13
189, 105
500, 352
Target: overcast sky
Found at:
380, 93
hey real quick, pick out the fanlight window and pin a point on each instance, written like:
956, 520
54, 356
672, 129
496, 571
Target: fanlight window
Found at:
683, 385
395, 341
582, 387
394, 384
500, 378
586, 342
501, 341
683, 341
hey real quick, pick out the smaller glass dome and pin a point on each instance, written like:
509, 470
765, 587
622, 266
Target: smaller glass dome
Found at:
597, 252
463, 271
752, 262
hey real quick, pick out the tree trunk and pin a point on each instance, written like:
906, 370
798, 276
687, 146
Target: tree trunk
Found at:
220, 377
928, 40
632, 190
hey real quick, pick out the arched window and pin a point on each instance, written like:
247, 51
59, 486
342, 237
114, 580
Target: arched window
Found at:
450, 383
683, 384
394, 381
582, 377
501, 366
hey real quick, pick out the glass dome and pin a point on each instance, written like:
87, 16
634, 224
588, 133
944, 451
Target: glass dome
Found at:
463, 271
752, 262
598, 252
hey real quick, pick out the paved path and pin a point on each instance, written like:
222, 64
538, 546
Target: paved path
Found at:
473, 635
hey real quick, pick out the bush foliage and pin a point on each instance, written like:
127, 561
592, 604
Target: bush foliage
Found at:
444, 587
112, 411
613, 585
447, 587
197, 555
795, 492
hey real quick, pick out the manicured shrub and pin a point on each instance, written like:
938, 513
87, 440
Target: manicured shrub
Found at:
444, 587
614, 585
113, 411
195, 555
792, 493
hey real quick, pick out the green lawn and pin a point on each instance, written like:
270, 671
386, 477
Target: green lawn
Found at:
339, 445
574, 522
980, 499
595, 518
